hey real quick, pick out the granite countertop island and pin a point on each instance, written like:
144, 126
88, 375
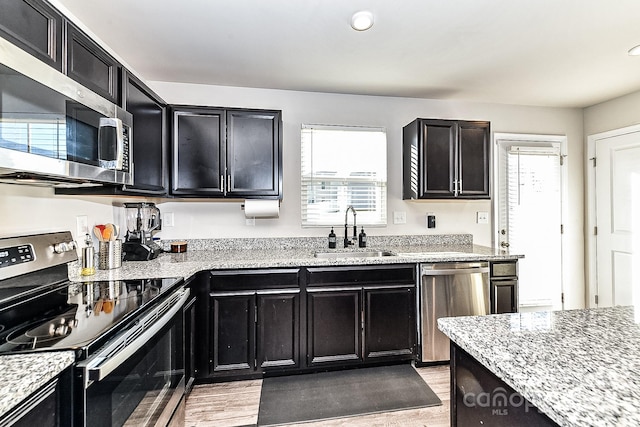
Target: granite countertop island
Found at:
579, 367
23, 374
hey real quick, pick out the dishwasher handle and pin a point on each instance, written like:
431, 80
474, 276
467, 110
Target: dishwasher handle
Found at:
433, 270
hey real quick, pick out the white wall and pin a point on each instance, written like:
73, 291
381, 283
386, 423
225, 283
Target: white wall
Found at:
614, 114
25, 209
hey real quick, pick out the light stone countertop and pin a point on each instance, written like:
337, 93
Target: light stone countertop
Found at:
238, 254
579, 367
23, 374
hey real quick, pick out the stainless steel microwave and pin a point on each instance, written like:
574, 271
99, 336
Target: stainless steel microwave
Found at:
54, 131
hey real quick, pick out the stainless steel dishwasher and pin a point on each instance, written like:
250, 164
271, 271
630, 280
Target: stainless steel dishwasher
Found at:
446, 290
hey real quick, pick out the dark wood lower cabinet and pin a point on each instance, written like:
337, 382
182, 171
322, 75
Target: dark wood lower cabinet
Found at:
233, 332
390, 323
278, 330
334, 326
478, 397
251, 323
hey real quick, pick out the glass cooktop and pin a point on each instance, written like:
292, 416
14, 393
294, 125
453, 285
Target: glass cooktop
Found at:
75, 315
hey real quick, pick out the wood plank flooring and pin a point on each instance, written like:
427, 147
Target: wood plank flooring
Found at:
236, 403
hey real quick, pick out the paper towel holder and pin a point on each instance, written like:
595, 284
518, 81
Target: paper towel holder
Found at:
261, 208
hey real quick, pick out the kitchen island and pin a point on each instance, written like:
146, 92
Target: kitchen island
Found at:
578, 367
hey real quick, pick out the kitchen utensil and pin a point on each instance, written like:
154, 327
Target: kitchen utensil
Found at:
97, 231
108, 232
110, 254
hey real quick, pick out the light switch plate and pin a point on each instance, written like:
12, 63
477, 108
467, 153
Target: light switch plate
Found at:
482, 217
399, 217
168, 219
82, 226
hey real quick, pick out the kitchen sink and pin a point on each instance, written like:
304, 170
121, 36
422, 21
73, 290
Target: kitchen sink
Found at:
359, 254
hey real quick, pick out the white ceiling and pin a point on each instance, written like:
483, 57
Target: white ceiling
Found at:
565, 53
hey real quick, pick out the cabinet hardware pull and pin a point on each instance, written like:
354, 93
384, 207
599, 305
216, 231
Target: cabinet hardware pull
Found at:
229, 183
222, 183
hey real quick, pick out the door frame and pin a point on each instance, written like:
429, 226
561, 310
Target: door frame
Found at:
591, 217
564, 188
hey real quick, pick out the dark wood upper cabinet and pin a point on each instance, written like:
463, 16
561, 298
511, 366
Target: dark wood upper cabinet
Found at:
150, 138
34, 26
231, 153
253, 153
198, 152
446, 159
92, 66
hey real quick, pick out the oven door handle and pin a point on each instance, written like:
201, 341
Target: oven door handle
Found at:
102, 364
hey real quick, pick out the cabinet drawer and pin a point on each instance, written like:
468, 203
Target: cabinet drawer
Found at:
397, 274
253, 279
504, 269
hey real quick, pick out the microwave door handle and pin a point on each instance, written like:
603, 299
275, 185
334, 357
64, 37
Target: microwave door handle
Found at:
103, 363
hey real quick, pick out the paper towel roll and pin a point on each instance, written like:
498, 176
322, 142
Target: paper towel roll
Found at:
255, 208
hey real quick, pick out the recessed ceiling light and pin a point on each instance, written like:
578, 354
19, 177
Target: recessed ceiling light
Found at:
361, 21
635, 51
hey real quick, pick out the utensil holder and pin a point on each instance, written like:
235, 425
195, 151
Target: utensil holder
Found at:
110, 254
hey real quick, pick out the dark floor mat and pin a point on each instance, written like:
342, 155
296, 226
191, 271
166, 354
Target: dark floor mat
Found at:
325, 395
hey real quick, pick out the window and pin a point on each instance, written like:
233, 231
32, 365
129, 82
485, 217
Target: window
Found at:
341, 167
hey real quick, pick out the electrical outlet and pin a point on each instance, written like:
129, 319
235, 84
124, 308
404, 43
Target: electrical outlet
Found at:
82, 226
250, 222
482, 217
168, 219
431, 220
399, 217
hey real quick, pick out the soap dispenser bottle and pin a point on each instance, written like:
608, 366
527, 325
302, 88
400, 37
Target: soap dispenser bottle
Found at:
362, 239
332, 239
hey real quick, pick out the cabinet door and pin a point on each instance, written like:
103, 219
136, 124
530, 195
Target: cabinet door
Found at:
34, 26
149, 150
390, 329
334, 326
504, 296
277, 330
91, 66
198, 152
473, 162
233, 331
254, 153
438, 158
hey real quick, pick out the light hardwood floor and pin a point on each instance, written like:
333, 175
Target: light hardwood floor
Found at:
236, 404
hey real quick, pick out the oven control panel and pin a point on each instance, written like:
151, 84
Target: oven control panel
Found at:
16, 255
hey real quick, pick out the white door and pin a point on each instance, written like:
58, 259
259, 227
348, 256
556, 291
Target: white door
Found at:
529, 219
617, 165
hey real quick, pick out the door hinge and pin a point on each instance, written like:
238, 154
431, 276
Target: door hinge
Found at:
561, 160
561, 228
595, 230
594, 161
596, 299
562, 297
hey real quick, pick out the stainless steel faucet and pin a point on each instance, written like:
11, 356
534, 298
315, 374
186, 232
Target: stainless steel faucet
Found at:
348, 242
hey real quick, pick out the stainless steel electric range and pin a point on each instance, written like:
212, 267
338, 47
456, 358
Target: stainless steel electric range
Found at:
127, 335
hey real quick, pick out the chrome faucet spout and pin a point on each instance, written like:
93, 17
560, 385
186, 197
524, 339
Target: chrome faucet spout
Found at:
348, 242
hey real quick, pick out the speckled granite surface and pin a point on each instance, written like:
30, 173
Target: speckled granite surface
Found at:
580, 367
290, 252
23, 374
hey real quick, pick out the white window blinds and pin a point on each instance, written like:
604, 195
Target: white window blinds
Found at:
340, 167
